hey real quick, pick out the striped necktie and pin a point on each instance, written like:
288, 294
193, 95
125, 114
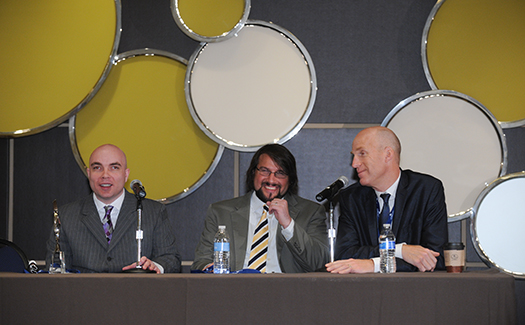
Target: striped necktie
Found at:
108, 225
259, 249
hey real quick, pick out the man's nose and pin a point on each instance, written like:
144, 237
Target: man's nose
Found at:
355, 162
272, 178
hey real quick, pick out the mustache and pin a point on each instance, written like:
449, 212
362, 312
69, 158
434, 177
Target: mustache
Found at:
271, 184
263, 198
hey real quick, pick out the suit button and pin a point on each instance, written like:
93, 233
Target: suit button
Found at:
109, 258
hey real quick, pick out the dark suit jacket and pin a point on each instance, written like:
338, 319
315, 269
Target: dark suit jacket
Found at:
84, 243
420, 218
306, 251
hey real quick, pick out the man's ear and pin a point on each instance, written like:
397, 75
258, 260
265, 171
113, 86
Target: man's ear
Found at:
389, 154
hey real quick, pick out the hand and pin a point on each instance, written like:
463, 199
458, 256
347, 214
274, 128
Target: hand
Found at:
422, 258
351, 266
146, 264
207, 266
279, 208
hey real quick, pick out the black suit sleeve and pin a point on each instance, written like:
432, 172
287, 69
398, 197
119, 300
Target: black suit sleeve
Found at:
352, 240
434, 231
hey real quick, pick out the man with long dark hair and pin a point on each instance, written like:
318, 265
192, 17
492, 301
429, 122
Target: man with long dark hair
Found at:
295, 239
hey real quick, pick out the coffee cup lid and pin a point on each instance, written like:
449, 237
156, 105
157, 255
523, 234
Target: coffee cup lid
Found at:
456, 245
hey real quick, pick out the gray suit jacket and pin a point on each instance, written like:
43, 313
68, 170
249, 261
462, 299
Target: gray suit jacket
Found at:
84, 243
307, 251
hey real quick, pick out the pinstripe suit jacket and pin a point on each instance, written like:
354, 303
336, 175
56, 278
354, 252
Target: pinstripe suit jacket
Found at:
84, 243
306, 251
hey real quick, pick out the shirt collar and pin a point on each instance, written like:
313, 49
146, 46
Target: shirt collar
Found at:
117, 204
392, 189
256, 205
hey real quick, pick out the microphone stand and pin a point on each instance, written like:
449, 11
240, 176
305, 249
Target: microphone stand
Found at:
331, 230
139, 236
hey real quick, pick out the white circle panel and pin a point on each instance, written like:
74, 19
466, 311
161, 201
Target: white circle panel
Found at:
498, 223
256, 88
454, 138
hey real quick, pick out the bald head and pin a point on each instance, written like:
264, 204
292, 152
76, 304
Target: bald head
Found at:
107, 172
384, 137
109, 149
376, 159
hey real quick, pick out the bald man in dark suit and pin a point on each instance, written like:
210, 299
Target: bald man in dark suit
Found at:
418, 215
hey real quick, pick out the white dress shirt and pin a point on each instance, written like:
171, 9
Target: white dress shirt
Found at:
392, 190
117, 205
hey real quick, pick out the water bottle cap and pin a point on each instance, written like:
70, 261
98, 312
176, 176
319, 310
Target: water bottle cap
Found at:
221, 227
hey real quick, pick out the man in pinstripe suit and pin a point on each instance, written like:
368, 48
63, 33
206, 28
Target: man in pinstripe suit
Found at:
95, 240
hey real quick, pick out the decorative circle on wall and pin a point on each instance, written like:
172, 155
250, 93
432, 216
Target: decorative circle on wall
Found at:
453, 137
256, 88
56, 55
476, 47
498, 222
141, 108
210, 20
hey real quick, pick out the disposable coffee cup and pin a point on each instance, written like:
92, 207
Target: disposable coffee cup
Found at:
454, 257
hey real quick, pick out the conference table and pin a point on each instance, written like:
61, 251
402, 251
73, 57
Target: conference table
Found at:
474, 297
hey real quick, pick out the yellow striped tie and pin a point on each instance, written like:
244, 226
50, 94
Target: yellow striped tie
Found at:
259, 249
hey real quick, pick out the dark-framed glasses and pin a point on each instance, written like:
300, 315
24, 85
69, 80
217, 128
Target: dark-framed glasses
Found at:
266, 172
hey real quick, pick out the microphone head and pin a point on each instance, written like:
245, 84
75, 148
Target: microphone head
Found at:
138, 189
344, 180
135, 181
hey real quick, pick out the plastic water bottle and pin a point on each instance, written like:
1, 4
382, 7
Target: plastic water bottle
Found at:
387, 250
221, 252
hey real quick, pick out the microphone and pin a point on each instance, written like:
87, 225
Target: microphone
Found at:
33, 267
332, 189
138, 189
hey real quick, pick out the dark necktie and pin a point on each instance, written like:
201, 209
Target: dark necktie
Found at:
385, 212
108, 225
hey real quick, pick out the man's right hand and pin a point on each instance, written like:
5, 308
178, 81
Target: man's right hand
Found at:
351, 266
422, 258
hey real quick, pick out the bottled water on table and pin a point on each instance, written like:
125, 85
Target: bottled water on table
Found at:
221, 252
387, 250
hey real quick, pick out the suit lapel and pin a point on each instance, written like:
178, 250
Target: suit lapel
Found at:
127, 218
91, 220
399, 205
239, 219
371, 210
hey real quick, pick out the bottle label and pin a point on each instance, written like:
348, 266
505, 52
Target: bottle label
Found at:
387, 245
221, 247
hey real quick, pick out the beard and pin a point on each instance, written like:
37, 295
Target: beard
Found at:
264, 198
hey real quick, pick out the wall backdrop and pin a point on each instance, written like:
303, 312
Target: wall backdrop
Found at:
367, 57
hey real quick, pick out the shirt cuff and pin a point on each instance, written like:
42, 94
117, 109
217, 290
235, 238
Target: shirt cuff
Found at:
399, 254
376, 264
160, 267
399, 250
288, 232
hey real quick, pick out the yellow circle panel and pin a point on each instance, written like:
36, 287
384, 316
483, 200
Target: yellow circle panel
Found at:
211, 18
477, 47
142, 109
53, 54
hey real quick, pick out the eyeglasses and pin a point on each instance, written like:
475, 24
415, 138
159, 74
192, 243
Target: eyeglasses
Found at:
266, 172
